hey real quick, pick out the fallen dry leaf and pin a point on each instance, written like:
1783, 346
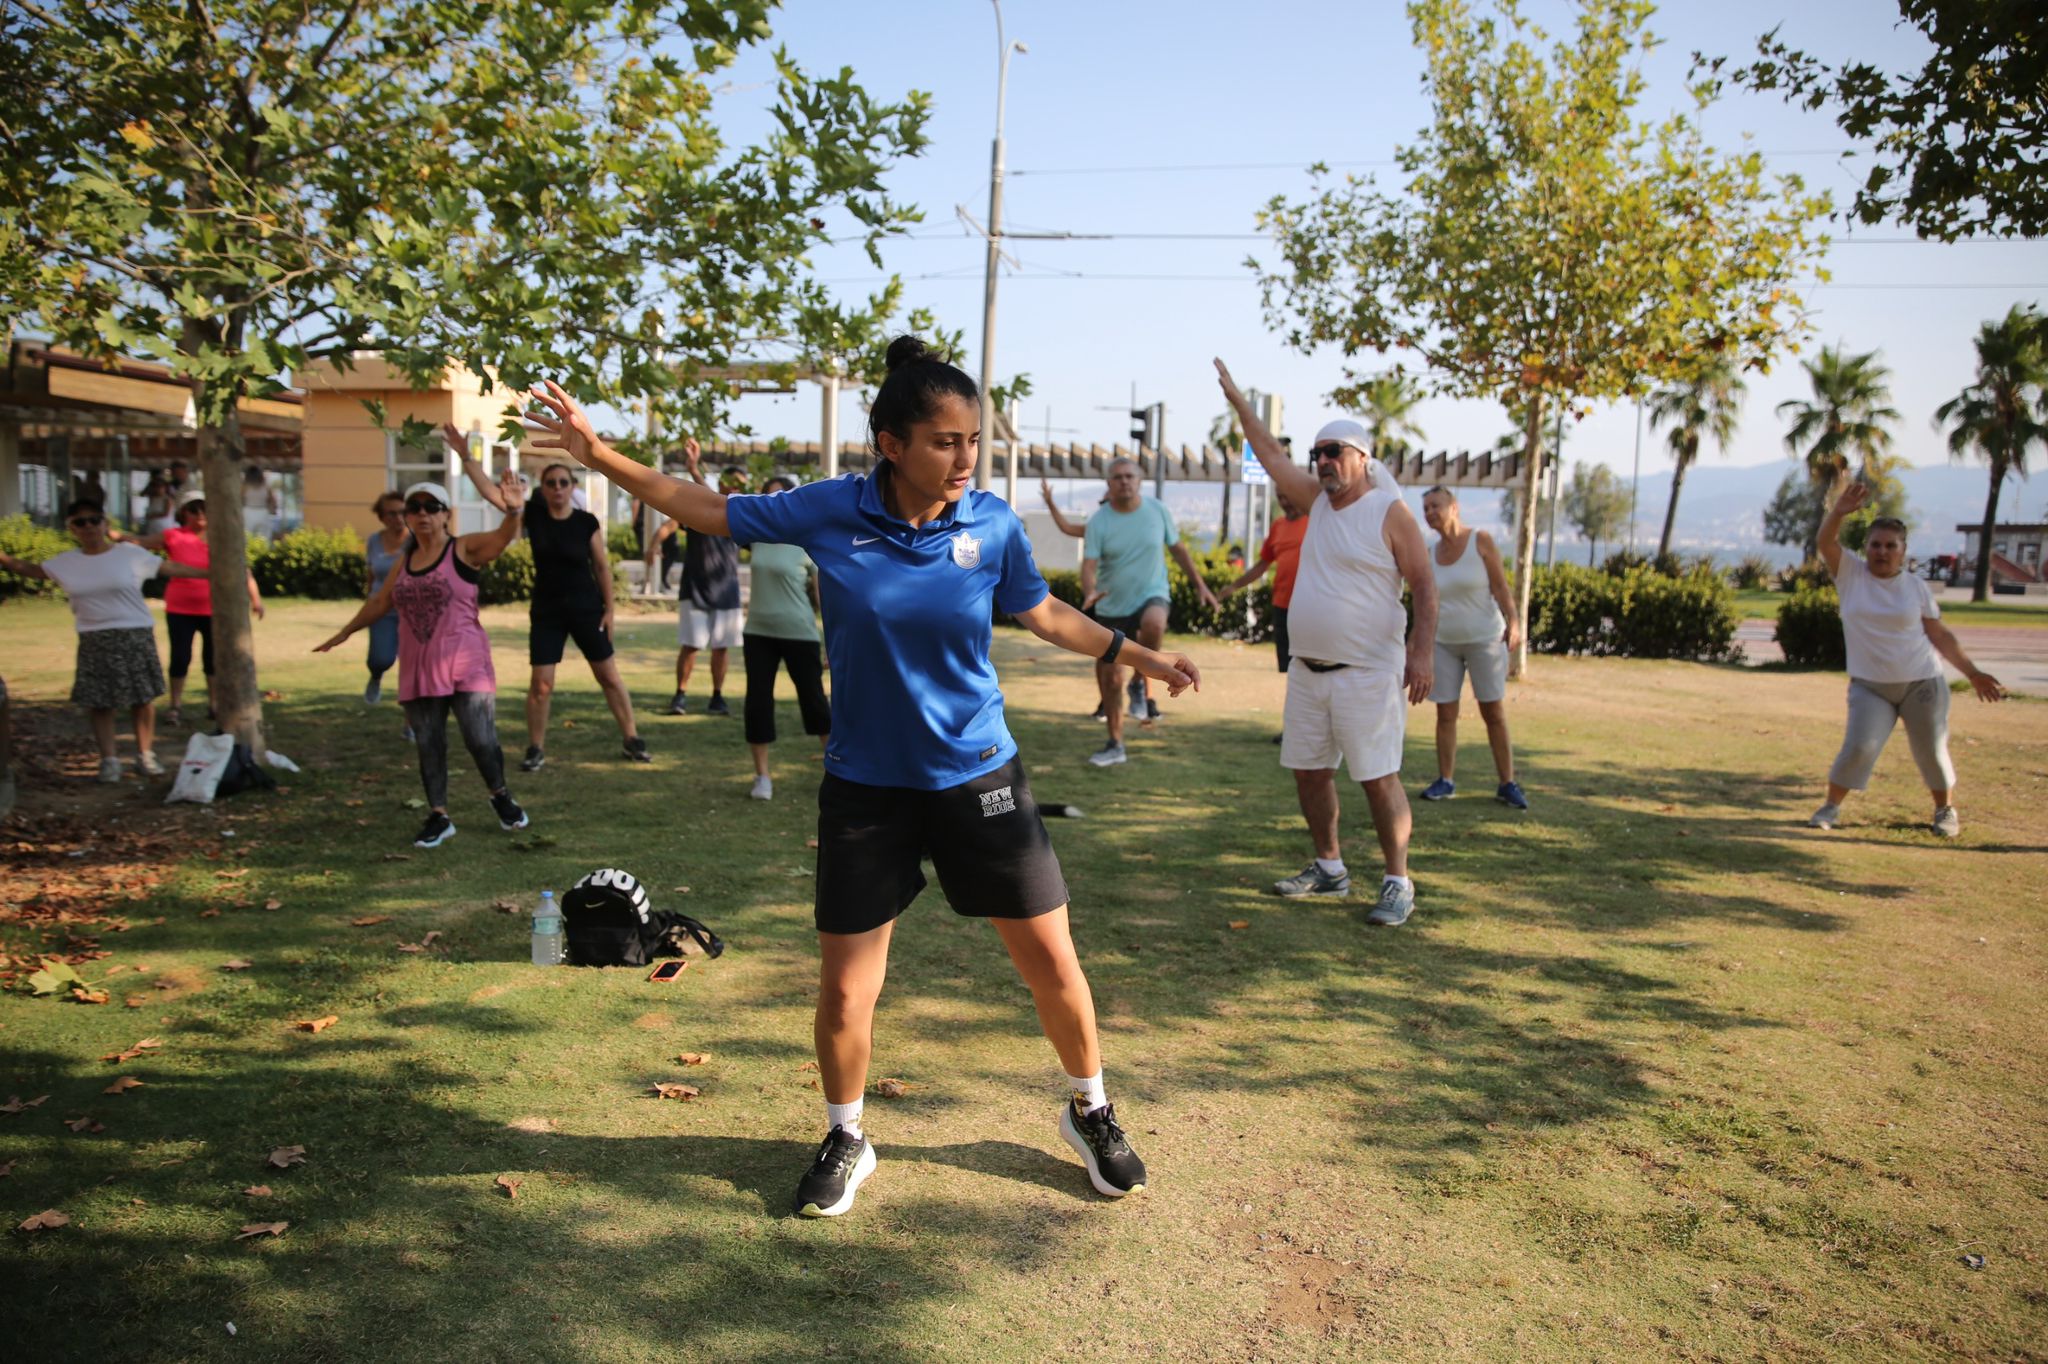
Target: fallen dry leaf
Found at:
509, 1185
810, 1084
45, 1220
138, 1202
235, 875
1240, 923
133, 1002
427, 938
146, 1044
317, 1024
85, 996
6, 1168
122, 1085
258, 1191
17, 1103
682, 890
808, 1065
116, 970
84, 1124
370, 920
236, 965
284, 1157
810, 843
892, 1089
209, 914
273, 904
504, 906
668, 1089
262, 1229
396, 857
692, 1058
410, 947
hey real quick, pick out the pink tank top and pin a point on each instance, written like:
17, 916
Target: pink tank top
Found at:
442, 647
187, 596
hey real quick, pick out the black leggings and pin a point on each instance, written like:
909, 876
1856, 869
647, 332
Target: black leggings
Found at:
476, 715
183, 627
806, 666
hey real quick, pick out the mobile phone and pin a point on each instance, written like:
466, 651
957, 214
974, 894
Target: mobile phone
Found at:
669, 970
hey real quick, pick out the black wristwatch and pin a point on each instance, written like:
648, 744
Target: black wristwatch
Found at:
1116, 645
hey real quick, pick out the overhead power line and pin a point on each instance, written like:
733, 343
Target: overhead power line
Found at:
1204, 167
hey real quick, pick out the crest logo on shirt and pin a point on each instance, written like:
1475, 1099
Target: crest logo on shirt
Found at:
966, 550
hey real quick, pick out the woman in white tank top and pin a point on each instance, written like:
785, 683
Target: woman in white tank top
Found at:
1475, 630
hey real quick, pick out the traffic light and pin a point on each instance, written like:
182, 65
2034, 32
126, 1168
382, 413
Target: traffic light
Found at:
1141, 427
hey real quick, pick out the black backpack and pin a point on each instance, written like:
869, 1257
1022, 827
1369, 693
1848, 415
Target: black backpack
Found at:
609, 921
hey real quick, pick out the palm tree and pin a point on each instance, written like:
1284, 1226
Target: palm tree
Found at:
2002, 414
1387, 400
1707, 404
1845, 422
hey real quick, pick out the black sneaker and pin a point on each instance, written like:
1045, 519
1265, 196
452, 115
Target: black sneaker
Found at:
437, 830
1113, 1167
844, 1162
1152, 707
1098, 715
636, 749
510, 816
1135, 691
717, 706
680, 705
535, 759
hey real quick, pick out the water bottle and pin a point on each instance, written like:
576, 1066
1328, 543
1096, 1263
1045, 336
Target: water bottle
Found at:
548, 946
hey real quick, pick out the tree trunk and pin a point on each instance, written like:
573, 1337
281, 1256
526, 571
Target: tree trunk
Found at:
1592, 549
1671, 511
1525, 533
1981, 588
237, 699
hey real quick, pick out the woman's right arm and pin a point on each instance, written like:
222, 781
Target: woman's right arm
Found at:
1059, 519
370, 610
563, 426
22, 567
1829, 541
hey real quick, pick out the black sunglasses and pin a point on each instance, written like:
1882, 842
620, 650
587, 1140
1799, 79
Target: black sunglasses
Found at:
1329, 450
425, 506
558, 483
88, 521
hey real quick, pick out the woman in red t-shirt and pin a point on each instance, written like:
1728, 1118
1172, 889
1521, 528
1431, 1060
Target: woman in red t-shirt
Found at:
1282, 554
188, 602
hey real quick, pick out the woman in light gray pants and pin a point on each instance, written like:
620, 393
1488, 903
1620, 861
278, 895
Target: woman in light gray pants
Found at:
1895, 641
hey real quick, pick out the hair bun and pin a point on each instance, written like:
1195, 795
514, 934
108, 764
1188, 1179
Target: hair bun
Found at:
907, 350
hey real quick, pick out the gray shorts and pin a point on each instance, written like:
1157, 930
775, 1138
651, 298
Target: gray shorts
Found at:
1875, 709
1486, 661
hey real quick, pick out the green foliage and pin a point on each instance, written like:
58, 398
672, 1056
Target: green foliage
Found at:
1596, 503
328, 565
1065, 583
1638, 614
1848, 419
25, 540
509, 577
1810, 629
618, 541
1794, 513
1185, 612
1753, 572
1811, 574
2005, 413
1958, 144
1706, 402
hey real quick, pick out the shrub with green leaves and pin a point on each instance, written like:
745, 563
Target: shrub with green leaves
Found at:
509, 577
1640, 613
618, 541
1810, 629
1755, 571
1811, 574
327, 565
25, 540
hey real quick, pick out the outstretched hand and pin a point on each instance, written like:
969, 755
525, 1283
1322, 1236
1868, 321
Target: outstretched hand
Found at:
457, 438
1230, 391
1177, 671
1854, 495
560, 423
512, 486
1987, 687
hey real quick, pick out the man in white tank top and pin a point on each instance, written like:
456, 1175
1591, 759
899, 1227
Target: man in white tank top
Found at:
1352, 669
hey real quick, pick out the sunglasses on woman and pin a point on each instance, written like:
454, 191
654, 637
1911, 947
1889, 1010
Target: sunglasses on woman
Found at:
425, 506
84, 521
558, 483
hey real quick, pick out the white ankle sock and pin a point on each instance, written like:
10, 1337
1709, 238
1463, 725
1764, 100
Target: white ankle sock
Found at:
1088, 1093
1400, 881
845, 1115
1330, 866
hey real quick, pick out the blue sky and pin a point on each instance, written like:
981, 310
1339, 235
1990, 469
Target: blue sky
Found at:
1236, 100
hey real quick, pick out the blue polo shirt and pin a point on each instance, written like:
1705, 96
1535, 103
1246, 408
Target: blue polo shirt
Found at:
909, 611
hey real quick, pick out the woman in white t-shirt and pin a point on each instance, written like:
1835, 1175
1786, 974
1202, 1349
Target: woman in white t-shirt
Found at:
1895, 642
117, 660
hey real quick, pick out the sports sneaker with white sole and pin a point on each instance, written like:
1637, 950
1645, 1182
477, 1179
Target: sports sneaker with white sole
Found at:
1109, 755
110, 772
1397, 902
843, 1164
536, 758
147, 763
1134, 691
437, 830
763, 789
1826, 817
1312, 880
510, 816
1113, 1167
1947, 823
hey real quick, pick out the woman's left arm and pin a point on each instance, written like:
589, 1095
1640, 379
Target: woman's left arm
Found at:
601, 569
1984, 684
1497, 583
1055, 622
255, 598
481, 547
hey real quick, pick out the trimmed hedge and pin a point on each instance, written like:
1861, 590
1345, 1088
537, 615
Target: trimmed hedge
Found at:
1810, 629
1640, 613
1186, 615
326, 565
24, 539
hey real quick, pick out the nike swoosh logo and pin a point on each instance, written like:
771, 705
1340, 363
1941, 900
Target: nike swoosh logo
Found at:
869, 541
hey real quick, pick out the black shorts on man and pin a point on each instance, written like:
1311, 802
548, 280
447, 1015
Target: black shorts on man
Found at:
1129, 624
993, 857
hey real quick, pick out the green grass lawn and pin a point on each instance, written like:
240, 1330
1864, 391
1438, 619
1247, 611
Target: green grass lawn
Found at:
1654, 1072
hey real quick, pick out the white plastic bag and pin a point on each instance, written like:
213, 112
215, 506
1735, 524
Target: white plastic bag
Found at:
206, 758
279, 760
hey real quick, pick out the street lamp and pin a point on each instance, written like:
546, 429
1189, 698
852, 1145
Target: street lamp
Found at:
988, 294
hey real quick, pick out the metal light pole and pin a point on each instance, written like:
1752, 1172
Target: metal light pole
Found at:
988, 290
1635, 480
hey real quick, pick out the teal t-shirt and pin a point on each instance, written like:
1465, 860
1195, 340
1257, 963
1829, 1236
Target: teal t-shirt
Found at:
1130, 553
779, 606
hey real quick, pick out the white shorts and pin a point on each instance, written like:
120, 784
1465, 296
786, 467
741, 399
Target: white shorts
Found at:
1357, 714
697, 628
1486, 661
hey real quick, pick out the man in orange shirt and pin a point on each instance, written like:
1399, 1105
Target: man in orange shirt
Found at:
1282, 553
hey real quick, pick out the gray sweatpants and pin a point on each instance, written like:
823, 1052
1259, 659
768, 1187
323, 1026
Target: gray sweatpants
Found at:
476, 715
1874, 708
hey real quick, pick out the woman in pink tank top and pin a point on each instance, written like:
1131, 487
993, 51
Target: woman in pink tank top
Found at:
444, 655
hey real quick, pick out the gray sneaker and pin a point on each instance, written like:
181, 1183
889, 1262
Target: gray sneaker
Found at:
1826, 817
1109, 755
1945, 822
1397, 902
1313, 881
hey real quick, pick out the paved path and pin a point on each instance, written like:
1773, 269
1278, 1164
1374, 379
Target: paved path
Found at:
2016, 655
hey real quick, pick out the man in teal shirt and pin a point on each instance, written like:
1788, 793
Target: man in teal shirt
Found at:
1122, 550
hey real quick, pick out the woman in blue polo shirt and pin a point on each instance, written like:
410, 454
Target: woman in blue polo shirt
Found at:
910, 561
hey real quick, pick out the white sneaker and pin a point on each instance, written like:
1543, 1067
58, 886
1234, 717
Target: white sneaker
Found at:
147, 763
1826, 817
1109, 755
110, 772
764, 789
1946, 822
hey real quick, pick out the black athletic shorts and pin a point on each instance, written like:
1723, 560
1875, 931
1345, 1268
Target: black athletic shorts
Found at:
984, 838
1129, 624
550, 631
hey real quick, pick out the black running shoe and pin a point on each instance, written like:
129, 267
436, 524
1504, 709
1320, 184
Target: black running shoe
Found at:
510, 816
1113, 1167
679, 704
1135, 690
437, 830
535, 759
844, 1162
716, 705
636, 749
1152, 708
1098, 715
